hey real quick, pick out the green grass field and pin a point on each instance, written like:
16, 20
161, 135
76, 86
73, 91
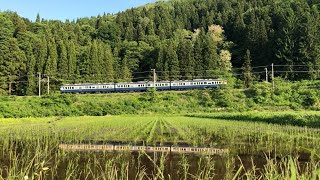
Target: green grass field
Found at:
30, 145
218, 129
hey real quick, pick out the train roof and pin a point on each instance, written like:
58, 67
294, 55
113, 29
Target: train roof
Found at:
87, 84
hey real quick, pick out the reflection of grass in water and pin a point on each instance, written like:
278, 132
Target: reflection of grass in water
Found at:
30, 148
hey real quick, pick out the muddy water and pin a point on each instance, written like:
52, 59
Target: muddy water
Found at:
90, 164
174, 165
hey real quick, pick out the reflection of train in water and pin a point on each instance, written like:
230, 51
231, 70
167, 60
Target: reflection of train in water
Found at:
142, 86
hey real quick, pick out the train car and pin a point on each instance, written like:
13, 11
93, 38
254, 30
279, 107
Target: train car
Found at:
197, 84
161, 85
132, 86
87, 88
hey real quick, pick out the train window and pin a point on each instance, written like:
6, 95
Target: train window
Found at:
205, 82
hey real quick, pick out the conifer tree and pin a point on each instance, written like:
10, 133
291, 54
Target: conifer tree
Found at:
198, 57
126, 72
38, 18
31, 84
186, 59
63, 60
94, 62
173, 61
51, 64
40, 53
109, 63
247, 70
72, 60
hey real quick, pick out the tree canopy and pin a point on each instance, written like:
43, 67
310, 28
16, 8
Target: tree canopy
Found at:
183, 39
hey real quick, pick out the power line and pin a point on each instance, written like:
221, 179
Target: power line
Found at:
297, 65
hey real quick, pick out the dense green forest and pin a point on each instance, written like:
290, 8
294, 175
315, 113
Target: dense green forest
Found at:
181, 39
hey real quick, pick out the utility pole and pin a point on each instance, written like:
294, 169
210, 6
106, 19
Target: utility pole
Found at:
48, 84
266, 69
39, 82
10, 87
154, 78
272, 75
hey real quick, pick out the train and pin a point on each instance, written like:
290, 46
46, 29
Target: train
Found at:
142, 86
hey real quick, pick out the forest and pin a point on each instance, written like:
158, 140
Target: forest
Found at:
181, 39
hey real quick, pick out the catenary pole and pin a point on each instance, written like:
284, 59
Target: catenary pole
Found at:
272, 68
266, 69
10, 88
39, 83
48, 84
154, 78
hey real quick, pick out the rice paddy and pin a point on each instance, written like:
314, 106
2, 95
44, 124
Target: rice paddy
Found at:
29, 147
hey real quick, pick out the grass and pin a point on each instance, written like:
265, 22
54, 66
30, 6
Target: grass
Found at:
296, 118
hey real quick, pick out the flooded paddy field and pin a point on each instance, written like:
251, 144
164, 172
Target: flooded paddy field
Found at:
29, 147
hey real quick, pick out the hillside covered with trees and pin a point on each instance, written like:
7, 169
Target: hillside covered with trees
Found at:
181, 39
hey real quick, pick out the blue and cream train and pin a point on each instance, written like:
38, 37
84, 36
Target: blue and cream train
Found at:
142, 86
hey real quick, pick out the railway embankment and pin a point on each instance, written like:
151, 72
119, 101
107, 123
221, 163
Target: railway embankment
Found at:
260, 97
